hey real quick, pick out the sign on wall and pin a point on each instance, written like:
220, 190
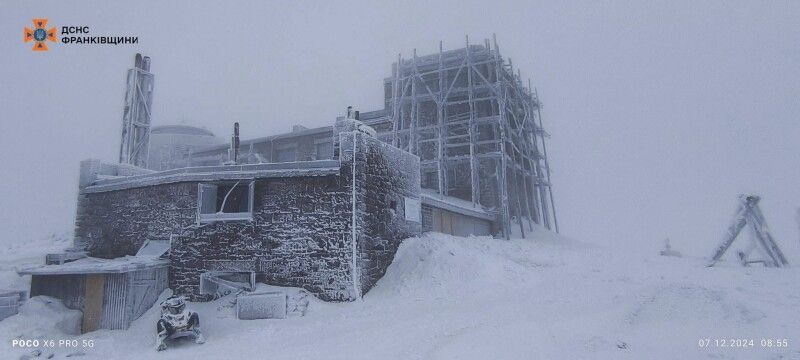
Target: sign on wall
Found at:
413, 209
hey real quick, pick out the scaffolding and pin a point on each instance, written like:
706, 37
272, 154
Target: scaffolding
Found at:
477, 130
135, 144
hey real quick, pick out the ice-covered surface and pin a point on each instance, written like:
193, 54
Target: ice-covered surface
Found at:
297, 300
460, 206
261, 305
544, 297
214, 173
153, 248
90, 265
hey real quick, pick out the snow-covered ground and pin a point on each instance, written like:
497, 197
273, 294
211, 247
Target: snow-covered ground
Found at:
16, 254
545, 297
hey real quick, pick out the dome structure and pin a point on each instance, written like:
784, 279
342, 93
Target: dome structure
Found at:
170, 145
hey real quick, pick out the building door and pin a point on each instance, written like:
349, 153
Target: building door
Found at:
144, 291
443, 221
447, 223
93, 302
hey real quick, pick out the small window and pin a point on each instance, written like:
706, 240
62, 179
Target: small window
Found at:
323, 150
286, 153
225, 201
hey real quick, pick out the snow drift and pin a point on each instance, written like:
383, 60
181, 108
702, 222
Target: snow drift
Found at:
41, 317
543, 297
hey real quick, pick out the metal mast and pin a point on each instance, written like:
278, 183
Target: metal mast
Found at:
136, 117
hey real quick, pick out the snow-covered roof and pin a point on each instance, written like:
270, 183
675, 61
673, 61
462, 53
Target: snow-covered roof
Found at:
215, 173
449, 203
288, 135
92, 265
180, 130
11, 293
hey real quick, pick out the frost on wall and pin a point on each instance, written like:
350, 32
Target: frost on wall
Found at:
385, 176
301, 233
116, 223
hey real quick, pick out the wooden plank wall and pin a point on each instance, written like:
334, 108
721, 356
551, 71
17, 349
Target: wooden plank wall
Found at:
93, 302
114, 299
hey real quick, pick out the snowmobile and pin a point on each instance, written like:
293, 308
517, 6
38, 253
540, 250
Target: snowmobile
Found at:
176, 321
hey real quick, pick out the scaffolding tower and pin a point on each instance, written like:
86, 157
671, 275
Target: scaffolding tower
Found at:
477, 130
136, 116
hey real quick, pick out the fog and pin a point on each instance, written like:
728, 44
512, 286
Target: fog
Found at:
660, 113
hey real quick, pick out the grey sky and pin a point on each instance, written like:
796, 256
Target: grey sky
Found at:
660, 112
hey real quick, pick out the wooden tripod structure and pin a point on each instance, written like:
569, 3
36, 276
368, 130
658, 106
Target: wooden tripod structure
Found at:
750, 214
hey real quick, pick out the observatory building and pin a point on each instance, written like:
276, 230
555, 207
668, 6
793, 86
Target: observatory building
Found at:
458, 148
475, 126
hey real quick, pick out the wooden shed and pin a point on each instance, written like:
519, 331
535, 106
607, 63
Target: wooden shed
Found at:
111, 293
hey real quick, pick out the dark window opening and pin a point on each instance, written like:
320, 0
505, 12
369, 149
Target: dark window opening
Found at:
238, 198
225, 201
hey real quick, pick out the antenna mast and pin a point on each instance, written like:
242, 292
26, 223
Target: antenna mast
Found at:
136, 116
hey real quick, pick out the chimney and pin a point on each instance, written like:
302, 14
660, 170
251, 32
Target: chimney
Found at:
233, 152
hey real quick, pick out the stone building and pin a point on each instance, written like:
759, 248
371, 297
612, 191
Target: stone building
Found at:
321, 209
329, 226
475, 126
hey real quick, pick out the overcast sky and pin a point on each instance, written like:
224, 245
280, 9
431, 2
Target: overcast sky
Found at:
660, 112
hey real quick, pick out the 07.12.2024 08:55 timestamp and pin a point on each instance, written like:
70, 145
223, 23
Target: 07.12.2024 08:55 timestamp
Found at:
743, 343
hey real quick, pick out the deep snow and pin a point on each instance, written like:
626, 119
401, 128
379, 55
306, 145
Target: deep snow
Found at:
545, 297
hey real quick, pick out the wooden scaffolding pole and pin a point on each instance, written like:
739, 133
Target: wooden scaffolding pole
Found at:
412, 133
396, 103
515, 168
440, 111
501, 181
546, 164
473, 170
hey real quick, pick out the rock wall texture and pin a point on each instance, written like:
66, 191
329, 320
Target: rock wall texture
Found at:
383, 183
301, 233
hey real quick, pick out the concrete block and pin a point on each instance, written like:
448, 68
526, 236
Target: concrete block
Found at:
9, 302
265, 305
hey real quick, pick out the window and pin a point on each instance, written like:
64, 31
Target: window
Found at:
225, 201
222, 283
286, 153
323, 149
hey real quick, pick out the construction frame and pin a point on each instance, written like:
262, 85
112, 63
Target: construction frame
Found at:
477, 130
